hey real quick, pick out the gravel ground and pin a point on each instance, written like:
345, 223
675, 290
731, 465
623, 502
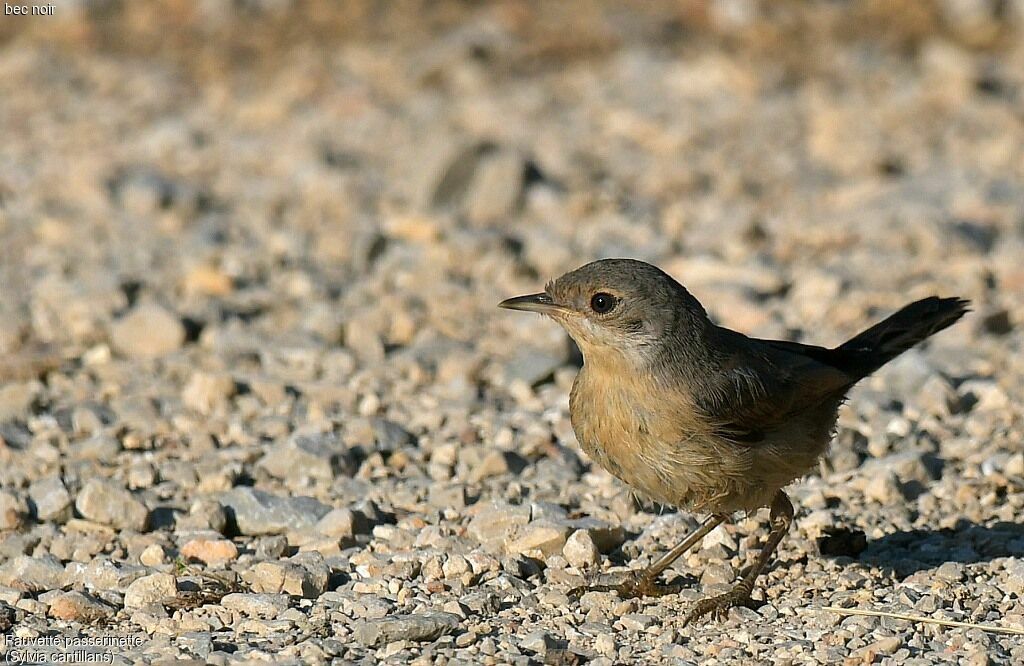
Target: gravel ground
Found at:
257, 403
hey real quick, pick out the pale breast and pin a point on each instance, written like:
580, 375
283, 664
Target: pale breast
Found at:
638, 436
651, 440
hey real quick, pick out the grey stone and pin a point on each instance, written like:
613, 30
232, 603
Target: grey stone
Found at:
32, 574
158, 588
418, 628
51, 499
343, 523
148, 331
390, 436
317, 455
14, 510
497, 186
204, 514
494, 523
305, 575
256, 605
103, 502
256, 512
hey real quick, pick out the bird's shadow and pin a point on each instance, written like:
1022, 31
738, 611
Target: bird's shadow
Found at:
909, 551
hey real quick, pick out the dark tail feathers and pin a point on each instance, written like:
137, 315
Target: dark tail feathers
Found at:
887, 339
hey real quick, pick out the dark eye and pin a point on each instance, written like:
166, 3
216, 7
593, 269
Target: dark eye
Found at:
602, 303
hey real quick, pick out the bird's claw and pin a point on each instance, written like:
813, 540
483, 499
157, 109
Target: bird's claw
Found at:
718, 607
631, 585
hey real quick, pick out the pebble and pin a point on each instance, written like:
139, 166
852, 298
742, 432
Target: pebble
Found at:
157, 588
494, 523
32, 574
148, 331
51, 499
256, 512
547, 538
256, 605
299, 576
14, 511
210, 551
317, 456
153, 555
580, 550
109, 504
343, 523
414, 627
78, 607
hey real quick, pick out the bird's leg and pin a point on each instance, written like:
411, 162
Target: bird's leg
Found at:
717, 607
645, 583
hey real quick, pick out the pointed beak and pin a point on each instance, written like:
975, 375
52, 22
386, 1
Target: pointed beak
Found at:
541, 303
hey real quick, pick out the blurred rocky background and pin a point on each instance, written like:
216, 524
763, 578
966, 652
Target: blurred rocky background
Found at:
256, 400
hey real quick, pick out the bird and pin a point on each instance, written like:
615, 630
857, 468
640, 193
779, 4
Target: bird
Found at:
700, 417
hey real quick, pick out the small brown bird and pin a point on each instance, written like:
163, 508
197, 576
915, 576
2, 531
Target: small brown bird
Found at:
701, 417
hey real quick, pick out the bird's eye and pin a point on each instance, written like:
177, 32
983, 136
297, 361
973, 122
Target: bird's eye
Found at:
602, 303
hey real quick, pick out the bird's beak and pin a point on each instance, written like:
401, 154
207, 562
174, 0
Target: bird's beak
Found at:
541, 303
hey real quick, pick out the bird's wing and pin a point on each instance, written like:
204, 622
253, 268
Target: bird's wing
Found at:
757, 386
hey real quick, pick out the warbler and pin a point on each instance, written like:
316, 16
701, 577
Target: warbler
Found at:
701, 417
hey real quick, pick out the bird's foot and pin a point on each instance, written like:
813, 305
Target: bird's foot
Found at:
718, 607
631, 585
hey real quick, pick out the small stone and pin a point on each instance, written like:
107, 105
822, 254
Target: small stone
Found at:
493, 464
316, 456
153, 555
539, 642
271, 547
32, 574
950, 572
637, 621
207, 281
206, 392
1014, 578
533, 366
256, 605
1015, 465
580, 550
605, 644
881, 647
14, 511
204, 514
716, 574
148, 331
77, 607
389, 436
606, 537
108, 504
547, 537
883, 488
16, 399
256, 512
910, 466
455, 566
720, 536
51, 499
304, 575
496, 186
420, 627
343, 523
158, 588
493, 523
210, 551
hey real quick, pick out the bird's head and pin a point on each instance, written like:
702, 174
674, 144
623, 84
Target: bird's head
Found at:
621, 305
